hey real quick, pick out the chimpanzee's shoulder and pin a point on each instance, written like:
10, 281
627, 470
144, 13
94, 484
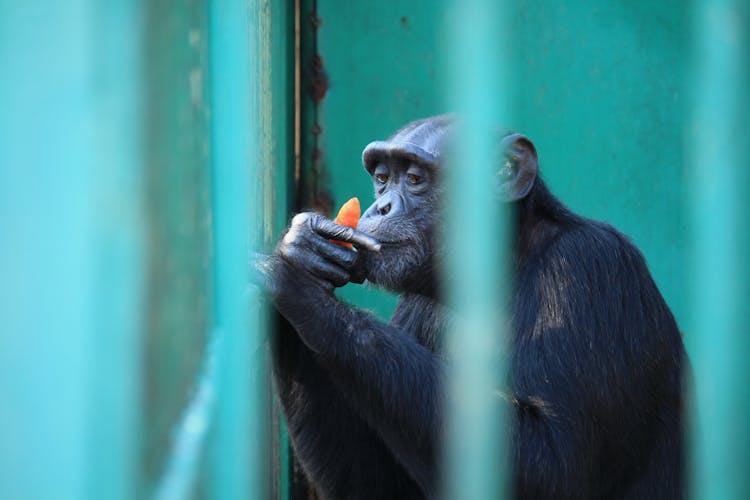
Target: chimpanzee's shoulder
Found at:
598, 243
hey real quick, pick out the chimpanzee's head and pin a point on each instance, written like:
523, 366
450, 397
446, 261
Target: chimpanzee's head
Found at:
406, 172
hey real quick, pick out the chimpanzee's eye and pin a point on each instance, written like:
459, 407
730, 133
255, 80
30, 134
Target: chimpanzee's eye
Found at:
413, 179
416, 176
381, 174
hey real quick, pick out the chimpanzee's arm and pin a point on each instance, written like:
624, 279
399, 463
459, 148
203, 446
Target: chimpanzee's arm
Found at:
391, 380
340, 452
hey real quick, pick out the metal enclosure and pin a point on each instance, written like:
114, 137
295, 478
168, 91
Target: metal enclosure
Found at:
147, 148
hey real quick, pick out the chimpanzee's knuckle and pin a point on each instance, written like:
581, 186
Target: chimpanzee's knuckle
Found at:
336, 276
315, 221
292, 236
342, 280
293, 254
283, 250
301, 219
348, 258
286, 241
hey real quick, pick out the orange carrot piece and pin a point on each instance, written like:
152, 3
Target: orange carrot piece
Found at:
348, 216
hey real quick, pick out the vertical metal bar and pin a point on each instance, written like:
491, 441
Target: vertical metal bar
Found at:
181, 474
252, 112
237, 455
276, 158
120, 263
477, 266
719, 344
71, 260
178, 314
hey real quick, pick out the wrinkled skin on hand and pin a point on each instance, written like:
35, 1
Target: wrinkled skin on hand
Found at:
306, 266
306, 246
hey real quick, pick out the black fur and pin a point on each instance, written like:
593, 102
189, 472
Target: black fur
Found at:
596, 359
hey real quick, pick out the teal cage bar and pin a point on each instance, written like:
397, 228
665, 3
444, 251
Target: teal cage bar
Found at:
72, 259
240, 322
719, 341
478, 71
149, 149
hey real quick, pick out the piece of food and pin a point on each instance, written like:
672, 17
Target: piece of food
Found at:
348, 216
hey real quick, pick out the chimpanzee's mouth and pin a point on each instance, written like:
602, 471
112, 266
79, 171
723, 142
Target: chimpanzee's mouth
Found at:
391, 244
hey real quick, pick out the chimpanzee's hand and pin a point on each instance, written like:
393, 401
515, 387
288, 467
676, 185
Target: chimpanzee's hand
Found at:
314, 259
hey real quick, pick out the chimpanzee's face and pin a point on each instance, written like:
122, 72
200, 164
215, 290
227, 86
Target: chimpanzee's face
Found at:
403, 219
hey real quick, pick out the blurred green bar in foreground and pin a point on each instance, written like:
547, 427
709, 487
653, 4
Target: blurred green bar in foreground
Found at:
719, 342
72, 257
479, 73
238, 451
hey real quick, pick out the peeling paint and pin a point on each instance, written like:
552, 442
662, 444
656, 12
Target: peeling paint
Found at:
319, 79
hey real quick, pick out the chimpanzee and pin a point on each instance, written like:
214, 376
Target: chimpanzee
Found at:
596, 355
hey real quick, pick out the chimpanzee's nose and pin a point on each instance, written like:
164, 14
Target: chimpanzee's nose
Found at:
384, 208
389, 204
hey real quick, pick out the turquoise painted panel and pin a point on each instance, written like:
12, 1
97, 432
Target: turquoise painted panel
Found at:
602, 91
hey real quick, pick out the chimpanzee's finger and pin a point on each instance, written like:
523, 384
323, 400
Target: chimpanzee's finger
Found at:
333, 231
303, 236
358, 273
328, 271
333, 252
316, 265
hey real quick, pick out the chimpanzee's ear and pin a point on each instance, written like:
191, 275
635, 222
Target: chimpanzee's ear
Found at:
519, 167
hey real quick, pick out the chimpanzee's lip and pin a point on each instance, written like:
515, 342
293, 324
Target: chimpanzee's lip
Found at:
399, 243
